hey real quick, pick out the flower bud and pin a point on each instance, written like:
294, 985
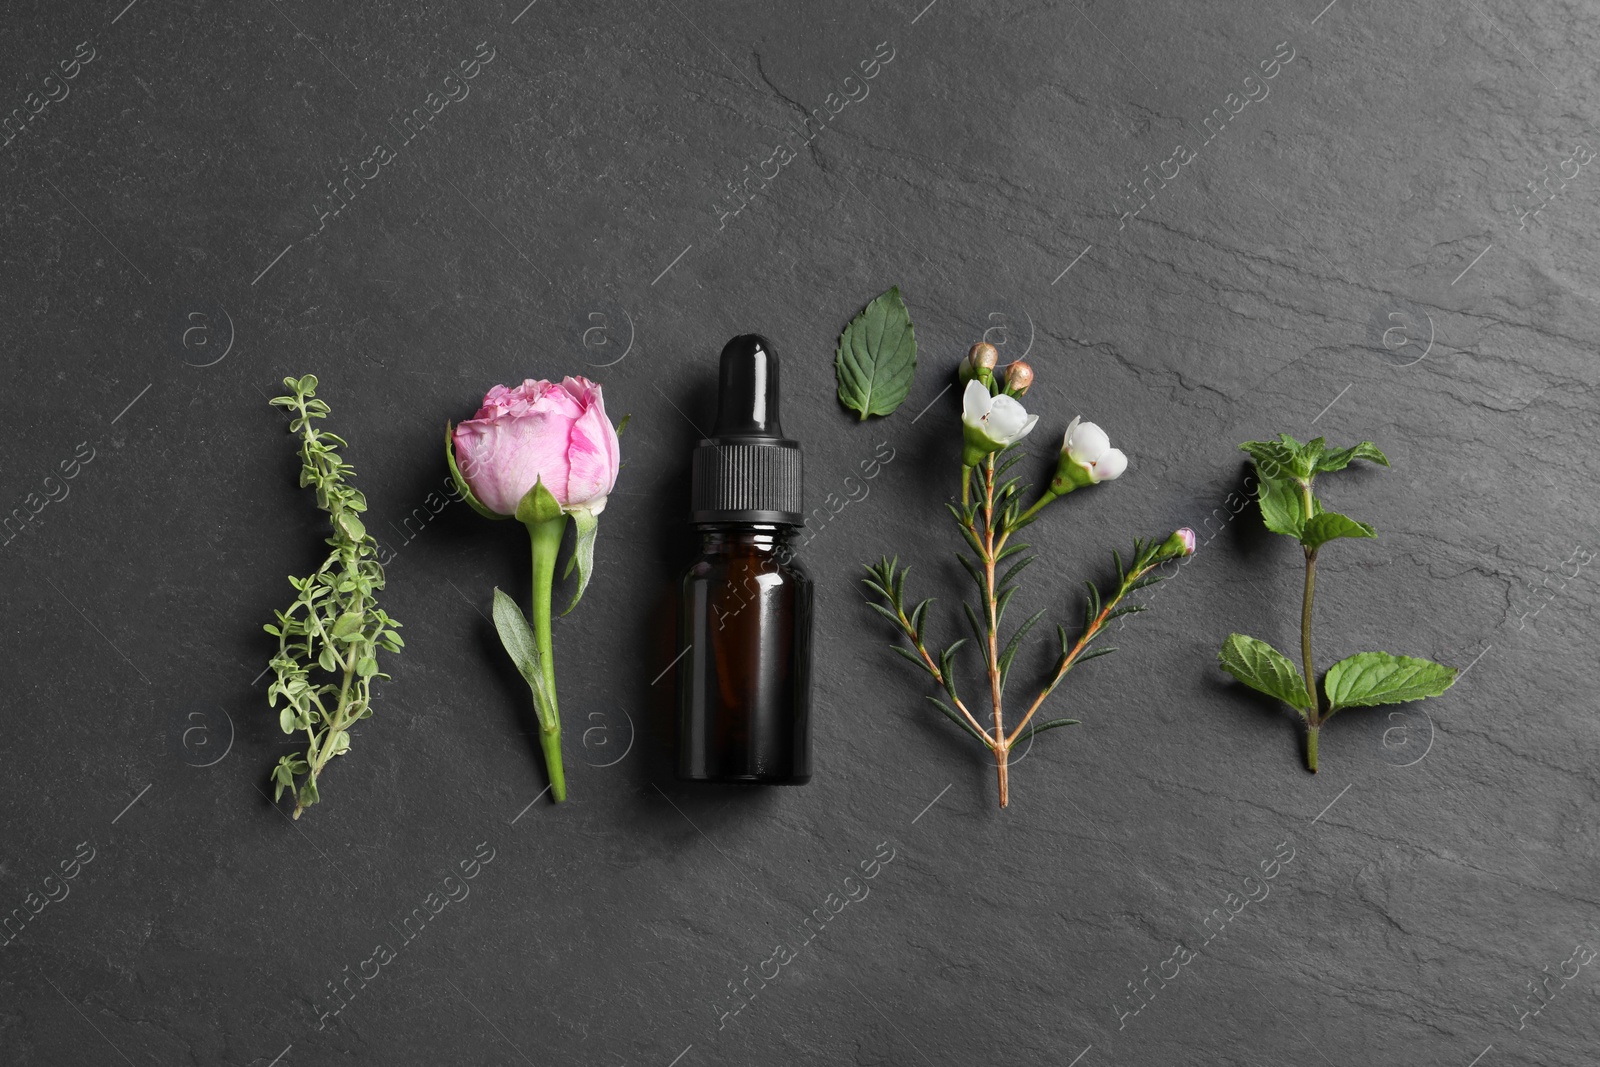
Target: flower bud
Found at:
1018, 377
1181, 543
980, 363
1087, 458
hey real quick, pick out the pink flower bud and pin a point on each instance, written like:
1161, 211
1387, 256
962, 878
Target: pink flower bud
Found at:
540, 431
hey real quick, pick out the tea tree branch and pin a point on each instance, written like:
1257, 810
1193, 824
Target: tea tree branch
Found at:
989, 513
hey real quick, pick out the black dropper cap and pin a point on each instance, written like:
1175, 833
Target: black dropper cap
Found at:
747, 471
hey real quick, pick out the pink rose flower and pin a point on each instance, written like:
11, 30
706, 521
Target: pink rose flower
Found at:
540, 430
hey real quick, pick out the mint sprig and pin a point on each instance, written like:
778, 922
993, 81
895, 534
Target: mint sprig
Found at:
1286, 471
328, 639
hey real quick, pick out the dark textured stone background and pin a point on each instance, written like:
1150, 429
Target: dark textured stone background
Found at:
578, 186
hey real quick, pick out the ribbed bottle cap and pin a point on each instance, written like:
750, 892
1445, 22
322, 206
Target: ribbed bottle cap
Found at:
747, 471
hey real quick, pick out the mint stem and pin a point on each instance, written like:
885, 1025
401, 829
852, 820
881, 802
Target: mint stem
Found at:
1314, 716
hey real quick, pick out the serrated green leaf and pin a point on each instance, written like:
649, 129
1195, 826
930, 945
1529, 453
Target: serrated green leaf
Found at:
1340, 458
1330, 525
1265, 669
1370, 678
877, 357
1274, 460
1282, 504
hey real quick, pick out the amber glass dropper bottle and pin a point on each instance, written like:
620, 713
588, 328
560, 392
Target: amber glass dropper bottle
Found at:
744, 634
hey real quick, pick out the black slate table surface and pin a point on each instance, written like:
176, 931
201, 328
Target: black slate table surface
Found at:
1350, 247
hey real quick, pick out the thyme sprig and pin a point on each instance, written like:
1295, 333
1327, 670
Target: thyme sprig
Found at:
328, 639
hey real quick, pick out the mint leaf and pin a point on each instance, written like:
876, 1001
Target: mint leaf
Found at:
1369, 678
1340, 458
1265, 669
1328, 525
1275, 460
877, 357
1282, 506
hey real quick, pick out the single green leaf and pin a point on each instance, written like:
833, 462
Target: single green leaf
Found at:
1040, 728
517, 637
877, 357
1274, 460
366, 666
582, 557
1329, 525
352, 527
1015, 643
1282, 503
308, 793
1369, 678
957, 718
347, 624
1265, 669
1340, 458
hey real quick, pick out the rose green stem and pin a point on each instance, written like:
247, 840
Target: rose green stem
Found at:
966, 485
1311, 747
545, 536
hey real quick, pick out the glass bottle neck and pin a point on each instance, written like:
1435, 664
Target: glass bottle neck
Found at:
762, 536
